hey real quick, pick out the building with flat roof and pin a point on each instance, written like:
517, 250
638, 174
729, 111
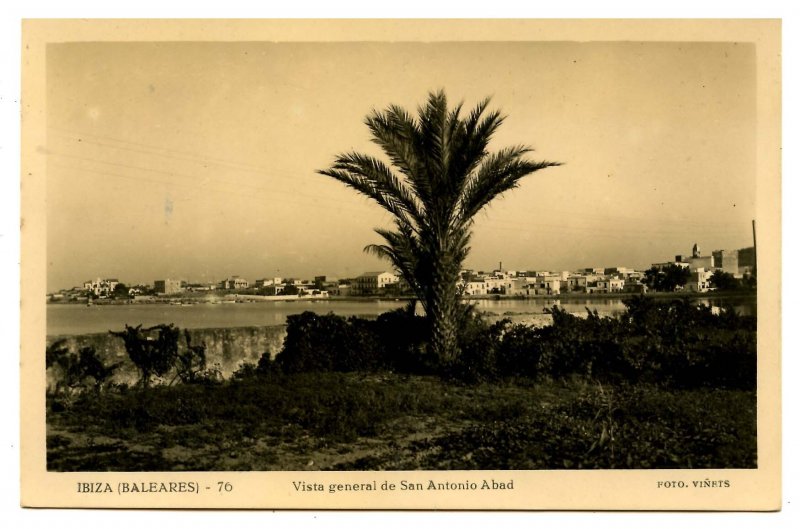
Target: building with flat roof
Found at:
234, 283
726, 260
167, 286
747, 260
373, 282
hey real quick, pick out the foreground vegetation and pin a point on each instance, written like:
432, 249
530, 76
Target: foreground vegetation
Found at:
355, 421
676, 344
664, 385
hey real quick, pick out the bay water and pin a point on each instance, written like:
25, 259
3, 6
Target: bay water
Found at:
74, 319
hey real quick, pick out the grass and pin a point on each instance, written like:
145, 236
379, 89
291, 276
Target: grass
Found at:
359, 421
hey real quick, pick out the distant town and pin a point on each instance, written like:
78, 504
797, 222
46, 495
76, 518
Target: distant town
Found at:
695, 272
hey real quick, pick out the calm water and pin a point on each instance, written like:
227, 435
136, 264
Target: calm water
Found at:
80, 319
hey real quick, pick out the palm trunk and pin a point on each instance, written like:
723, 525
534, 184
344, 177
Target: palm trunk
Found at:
443, 306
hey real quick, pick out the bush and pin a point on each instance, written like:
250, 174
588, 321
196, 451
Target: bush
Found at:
562, 346
478, 342
519, 352
394, 341
246, 371
402, 337
329, 343
677, 344
77, 372
191, 363
686, 345
152, 356
161, 355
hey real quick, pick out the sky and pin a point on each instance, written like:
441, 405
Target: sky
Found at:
198, 160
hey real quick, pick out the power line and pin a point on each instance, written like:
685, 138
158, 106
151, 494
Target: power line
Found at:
82, 170
153, 149
196, 185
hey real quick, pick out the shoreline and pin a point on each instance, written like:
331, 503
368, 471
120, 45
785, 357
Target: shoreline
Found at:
229, 298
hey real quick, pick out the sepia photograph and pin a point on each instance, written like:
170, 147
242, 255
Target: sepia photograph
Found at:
310, 256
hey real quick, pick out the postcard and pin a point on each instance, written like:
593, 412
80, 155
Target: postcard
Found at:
401, 264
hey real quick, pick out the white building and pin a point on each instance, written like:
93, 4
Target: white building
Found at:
234, 283
100, 287
548, 285
610, 285
475, 288
661, 266
699, 281
340, 289
497, 285
373, 282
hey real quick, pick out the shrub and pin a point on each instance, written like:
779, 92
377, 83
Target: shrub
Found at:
679, 344
77, 372
328, 343
151, 356
561, 345
245, 371
478, 342
519, 351
402, 337
160, 355
191, 363
686, 345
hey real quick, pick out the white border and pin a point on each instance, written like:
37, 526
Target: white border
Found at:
9, 249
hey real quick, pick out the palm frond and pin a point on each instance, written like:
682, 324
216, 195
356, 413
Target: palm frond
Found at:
403, 252
483, 131
432, 121
471, 146
398, 135
374, 179
498, 173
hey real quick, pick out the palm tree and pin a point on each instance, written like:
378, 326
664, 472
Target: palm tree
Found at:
441, 176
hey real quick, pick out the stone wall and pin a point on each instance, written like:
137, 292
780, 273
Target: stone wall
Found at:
226, 348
